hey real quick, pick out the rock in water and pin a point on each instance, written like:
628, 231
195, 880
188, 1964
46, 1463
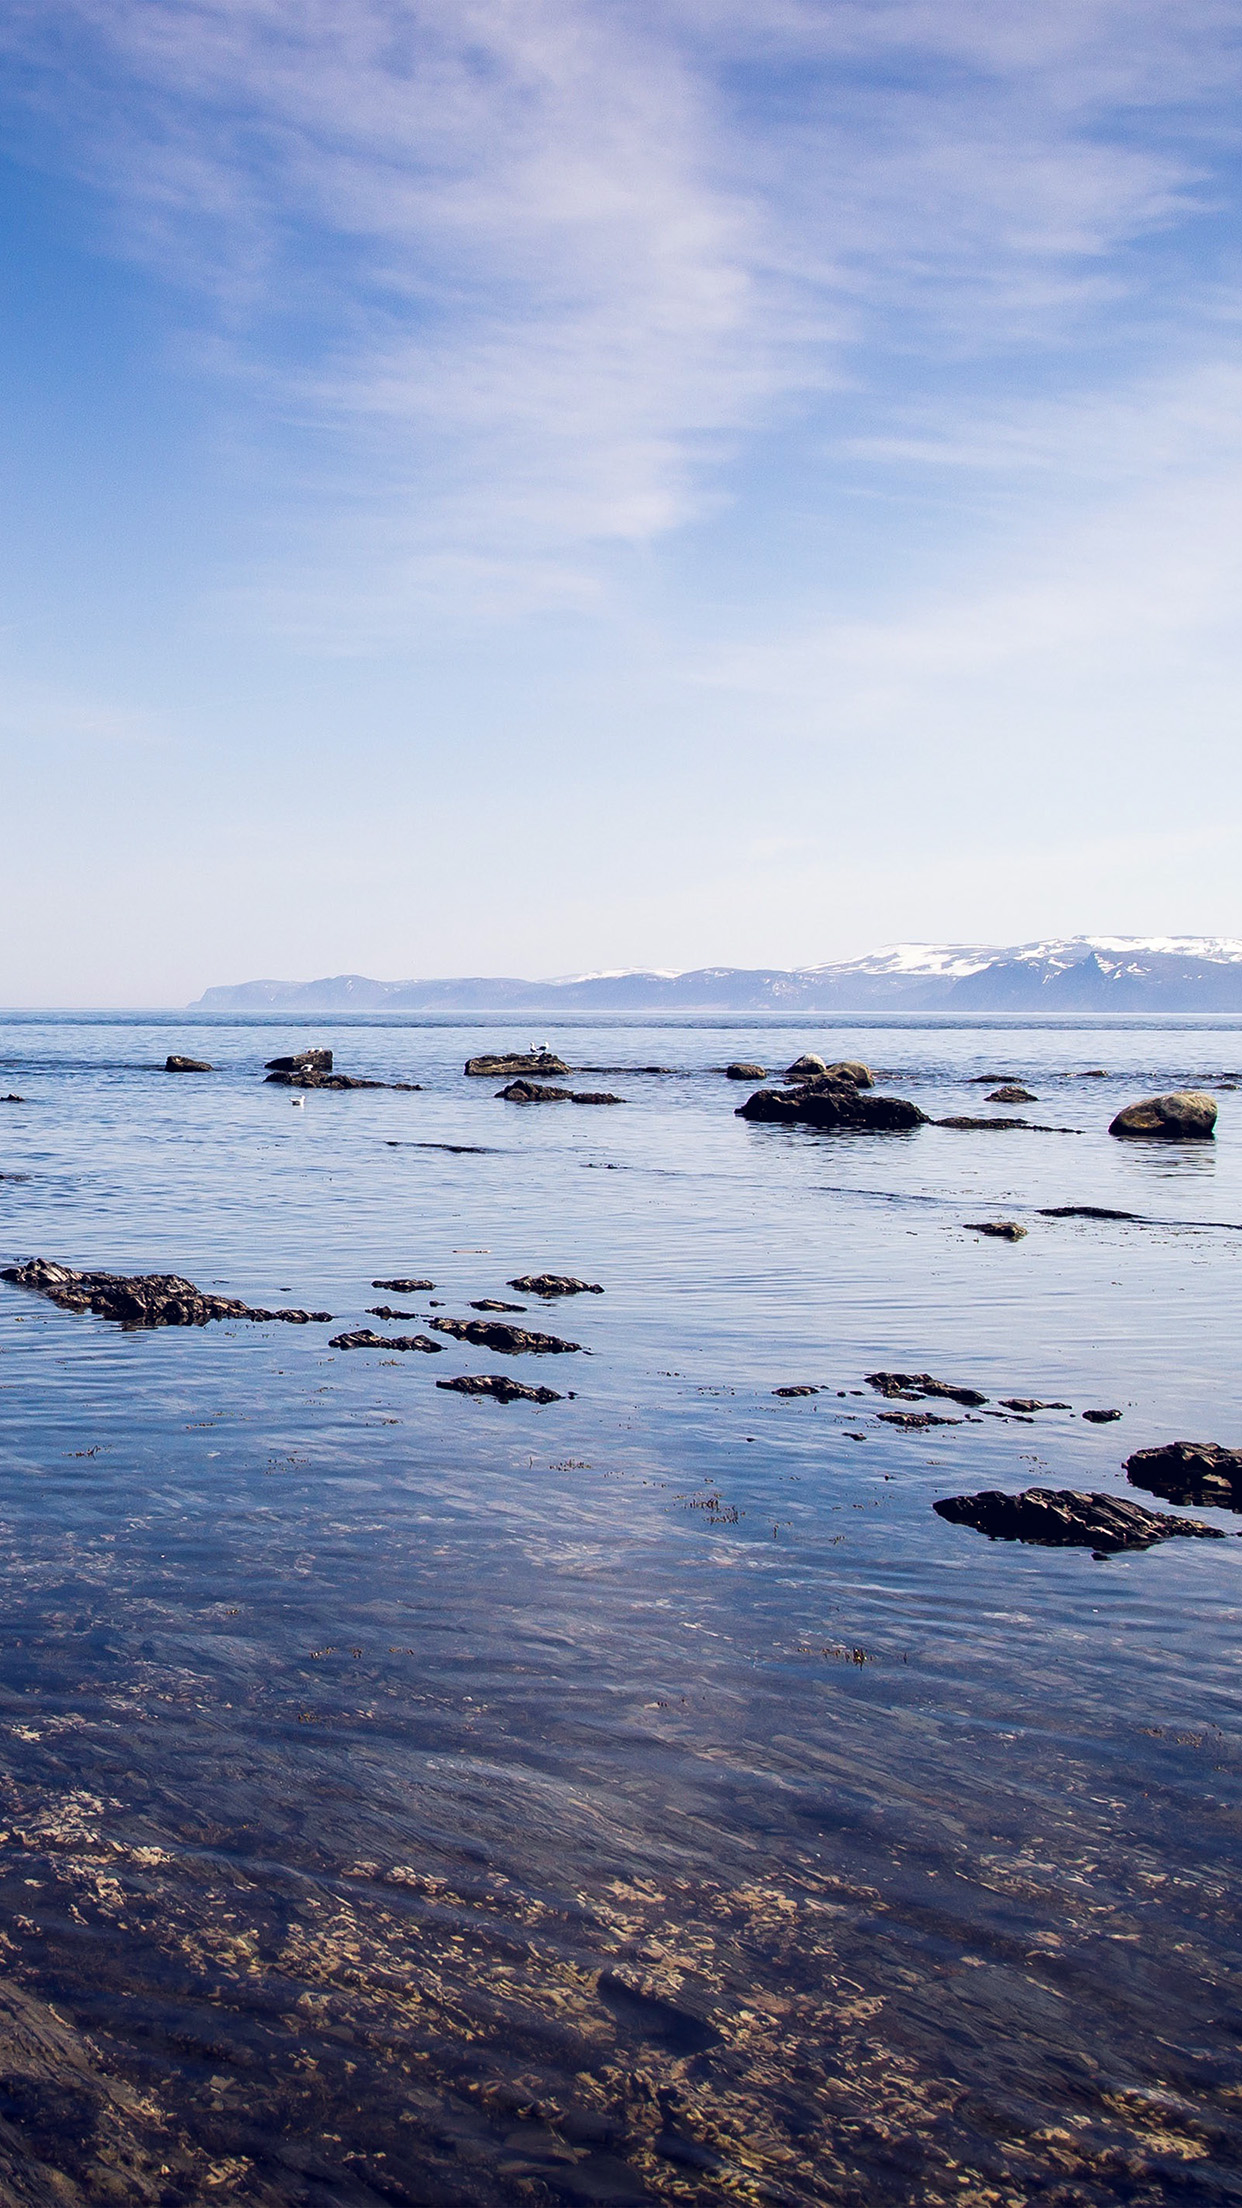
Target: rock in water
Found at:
1003, 1230
1100, 1418
916, 1418
829, 1101
173, 1064
303, 1061
500, 1387
143, 1299
494, 1067
1012, 1093
1185, 1115
531, 1092
403, 1287
1057, 1518
491, 1303
554, 1284
804, 1068
740, 1071
514, 1341
795, 1391
851, 1069
911, 1385
363, 1338
312, 1078
1189, 1472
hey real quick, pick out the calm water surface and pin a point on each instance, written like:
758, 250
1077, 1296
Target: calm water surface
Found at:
643, 1797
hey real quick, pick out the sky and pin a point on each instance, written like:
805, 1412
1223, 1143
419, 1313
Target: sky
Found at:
531, 486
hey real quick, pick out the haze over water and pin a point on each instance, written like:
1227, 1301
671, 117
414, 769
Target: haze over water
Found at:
414, 1799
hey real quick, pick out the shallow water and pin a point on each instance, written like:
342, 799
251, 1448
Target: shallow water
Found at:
410, 1798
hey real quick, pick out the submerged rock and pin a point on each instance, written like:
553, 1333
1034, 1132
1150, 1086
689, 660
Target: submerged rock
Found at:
493, 1066
1030, 1403
531, 1092
1100, 1418
968, 1126
740, 1071
1085, 1211
1189, 1472
489, 1303
1056, 1518
1003, 1230
311, 1078
12, 1098
302, 1061
916, 1418
174, 1064
912, 1385
386, 1311
500, 1387
403, 1287
515, 1341
141, 1299
555, 1284
795, 1391
1012, 1093
1185, 1115
363, 1338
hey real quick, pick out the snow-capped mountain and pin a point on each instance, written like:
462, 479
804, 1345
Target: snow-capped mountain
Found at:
1075, 974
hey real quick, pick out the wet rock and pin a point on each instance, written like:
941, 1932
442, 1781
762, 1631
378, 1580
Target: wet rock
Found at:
1189, 1472
1058, 1518
805, 1068
795, 1391
500, 1387
988, 1080
403, 1287
514, 1341
303, 1061
832, 1102
1185, 1115
1002, 1230
1084, 1211
740, 1071
494, 1066
968, 1126
174, 1064
531, 1092
363, 1338
386, 1311
12, 1099
1030, 1403
1011, 1092
1100, 1418
489, 1303
142, 1299
912, 1385
554, 1284
916, 1418
311, 1079
1092, 1073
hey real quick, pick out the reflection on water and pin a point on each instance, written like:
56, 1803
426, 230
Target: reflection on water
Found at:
408, 1799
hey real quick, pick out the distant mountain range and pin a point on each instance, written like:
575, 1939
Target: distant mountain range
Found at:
1096, 973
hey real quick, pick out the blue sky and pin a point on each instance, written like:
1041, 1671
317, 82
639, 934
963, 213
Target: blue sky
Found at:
517, 487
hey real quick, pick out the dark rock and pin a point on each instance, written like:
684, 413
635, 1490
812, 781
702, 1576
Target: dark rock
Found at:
832, 1102
1189, 1472
494, 1067
555, 1284
303, 1061
403, 1287
1084, 1211
1100, 1418
363, 1338
143, 1299
740, 1071
804, 1068
1003, 1230
12, 1099
1012, 1093
173, 1064
594, 1096
968, 1126
489, 1303
1092, 1073
311, 1079
500, 1387
1030, 1403
911, 1385
385, 1311
915, 1418
795, 1391
531, 1092
852, 1070
514, 1341
983, 1080
1057, 1518
1185, 1115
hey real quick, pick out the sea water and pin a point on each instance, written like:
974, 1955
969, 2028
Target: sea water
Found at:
412, 1798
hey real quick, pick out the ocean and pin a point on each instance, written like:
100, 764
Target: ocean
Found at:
642, 1796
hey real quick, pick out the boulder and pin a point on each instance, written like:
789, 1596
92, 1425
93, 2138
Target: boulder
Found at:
830, 1102
1001, 1230
494, 1066
500, 1387
1059, 1518
851, 1069
173, 1064
142, 1299
740, 1071
1012, 1092
513, 1341
554, 1284
532, 1092
1189, 1472
303, 1061
1185, 1115
805, 1068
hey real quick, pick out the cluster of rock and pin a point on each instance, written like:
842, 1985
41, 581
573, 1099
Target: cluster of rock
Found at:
1063, 1518
1185, 1115
831, 1096
144, 1299
532, 1092
1189, 1472
312, 1069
